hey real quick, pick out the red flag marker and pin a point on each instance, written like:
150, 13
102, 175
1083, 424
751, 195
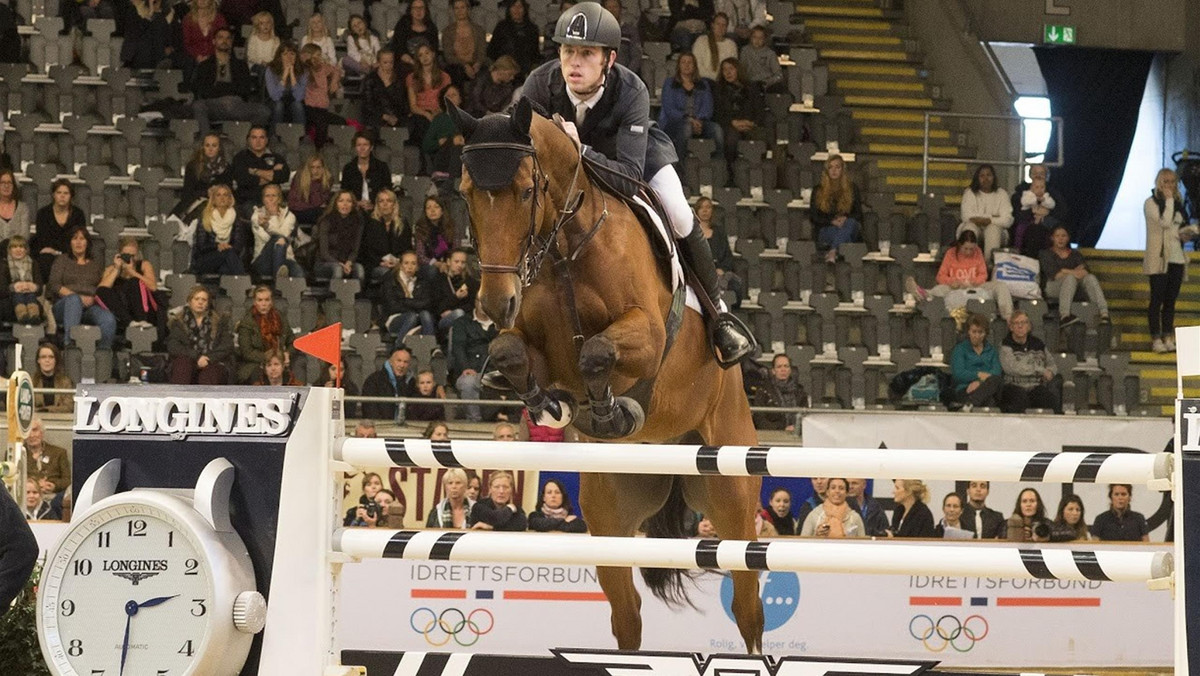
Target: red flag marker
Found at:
324, 344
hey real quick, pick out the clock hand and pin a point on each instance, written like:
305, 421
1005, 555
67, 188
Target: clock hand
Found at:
131, 609
155, 601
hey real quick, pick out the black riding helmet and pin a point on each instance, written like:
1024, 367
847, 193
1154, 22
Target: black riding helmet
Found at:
588, 24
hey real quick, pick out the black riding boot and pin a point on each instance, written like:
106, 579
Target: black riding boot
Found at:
731, 339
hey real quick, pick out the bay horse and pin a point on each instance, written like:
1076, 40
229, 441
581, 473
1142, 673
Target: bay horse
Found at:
592, 327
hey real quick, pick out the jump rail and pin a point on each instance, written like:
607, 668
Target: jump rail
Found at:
1153, 470
874, 558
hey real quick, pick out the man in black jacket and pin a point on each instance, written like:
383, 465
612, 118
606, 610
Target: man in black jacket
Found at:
392, 380
223, 87
18, 550
255, 166
469, 339
977, 517
365, 175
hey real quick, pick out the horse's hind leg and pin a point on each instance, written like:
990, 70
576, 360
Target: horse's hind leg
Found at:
510, 353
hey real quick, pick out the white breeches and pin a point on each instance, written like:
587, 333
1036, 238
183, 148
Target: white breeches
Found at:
670, 192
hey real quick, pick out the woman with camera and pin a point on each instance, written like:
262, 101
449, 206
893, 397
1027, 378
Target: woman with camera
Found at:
1028, 522
366, 512
129, 288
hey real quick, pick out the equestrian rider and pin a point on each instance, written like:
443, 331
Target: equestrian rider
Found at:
607, 109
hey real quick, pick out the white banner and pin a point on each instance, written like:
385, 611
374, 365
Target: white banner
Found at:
965, 431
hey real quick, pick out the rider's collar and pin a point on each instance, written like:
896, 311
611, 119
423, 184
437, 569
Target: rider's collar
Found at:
590, 102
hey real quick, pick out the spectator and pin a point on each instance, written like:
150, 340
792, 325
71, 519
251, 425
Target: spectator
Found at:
286, 83
385, 237
385, 101
687, 107
324, 80
985, 522
779, 512
1031, 377
365, 429
37, 507
718, 243
443, 143
744, 15
45, 463
310, 191
1064, 271
963, 270
208, 167
435, 234
437, 430
200, 26
274, 372
407, 300
51, 374
362, 47
975, 366
738, 107
272, 226
554, 511
986, 210
474, 485
14, 213
358, 515
263, 330
1056, 215
335, 374
425, 85
874, 519
263, 43
454, 510
1070, 524
72, 285
413, 29
56, 223
550, 47
147, 34
200, 342
454, 291
129, 289
427, 388
630, 53
1030, 229
516, 36
714, 47
819, 485
498, 511
338, 236
318, 34
365, 175
1120, 523
219, 242
911, 518
20, 284
504, 431
223, 87
468, 341
255, 166
952, 509
493, 92
761, 63
390, 511
1028, 521
689, 19
391, 380
1164, 260
834, 518
837, 209
782, 390
465, 44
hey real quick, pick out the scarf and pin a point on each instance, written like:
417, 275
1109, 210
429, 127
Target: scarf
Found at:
201, 335
559, 513
269, 327
446, 513
222, 225
20, 269
833, 516
214, 167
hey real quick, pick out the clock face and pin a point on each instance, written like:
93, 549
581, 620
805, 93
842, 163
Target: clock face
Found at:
128, 584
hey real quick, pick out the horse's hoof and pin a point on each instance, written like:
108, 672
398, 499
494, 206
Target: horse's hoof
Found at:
495, 380
559, 413
624, 418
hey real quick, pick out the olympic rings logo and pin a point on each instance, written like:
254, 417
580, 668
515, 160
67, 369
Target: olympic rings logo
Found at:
451, 623
948, 631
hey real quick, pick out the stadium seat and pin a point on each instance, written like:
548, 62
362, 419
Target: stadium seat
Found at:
876, 325
28, 337
1119, 390
935, 334
752, 173
851, 377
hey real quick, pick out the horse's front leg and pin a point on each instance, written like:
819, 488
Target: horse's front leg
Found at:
515, 358
627, 347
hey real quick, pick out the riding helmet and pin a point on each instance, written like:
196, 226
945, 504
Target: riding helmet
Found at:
588, 24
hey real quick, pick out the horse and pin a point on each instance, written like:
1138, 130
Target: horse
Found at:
592, 327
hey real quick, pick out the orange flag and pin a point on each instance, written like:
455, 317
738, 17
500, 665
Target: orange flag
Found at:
324, 344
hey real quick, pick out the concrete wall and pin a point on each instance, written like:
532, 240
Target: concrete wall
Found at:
1151, 25
1181, 120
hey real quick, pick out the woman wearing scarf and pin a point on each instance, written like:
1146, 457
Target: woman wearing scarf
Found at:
272, 226
454, 511
129, 289
217, 246
263, 330
833, 518
20, 284
339, 236
199, 342
554, 511
208, 167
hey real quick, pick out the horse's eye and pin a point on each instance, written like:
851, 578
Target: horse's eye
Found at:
527, 194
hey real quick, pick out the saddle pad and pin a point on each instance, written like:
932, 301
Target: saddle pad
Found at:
665, 242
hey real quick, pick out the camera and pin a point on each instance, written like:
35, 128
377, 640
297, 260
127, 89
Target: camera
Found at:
1040, 530
128, 258
372, 509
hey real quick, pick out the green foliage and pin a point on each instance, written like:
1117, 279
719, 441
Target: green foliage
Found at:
19, 650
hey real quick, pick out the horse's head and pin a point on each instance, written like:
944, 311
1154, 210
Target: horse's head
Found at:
508, 197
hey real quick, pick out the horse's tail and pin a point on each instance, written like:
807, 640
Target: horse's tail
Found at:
671, 521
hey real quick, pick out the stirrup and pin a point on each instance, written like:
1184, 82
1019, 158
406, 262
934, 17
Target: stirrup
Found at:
731, 340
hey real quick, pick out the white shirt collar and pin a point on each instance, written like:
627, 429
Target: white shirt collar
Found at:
590, 103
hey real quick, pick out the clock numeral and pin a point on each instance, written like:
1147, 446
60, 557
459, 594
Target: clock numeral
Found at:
186, 649
171, 539
68, 608
162, 672
75, 649
192, 566
83, 567
97, 672
103, 539
200, 608
137, 528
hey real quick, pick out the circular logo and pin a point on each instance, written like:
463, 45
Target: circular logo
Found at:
452, 623
948, 630
20, 404
780, 593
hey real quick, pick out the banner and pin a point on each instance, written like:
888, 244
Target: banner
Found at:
965, 431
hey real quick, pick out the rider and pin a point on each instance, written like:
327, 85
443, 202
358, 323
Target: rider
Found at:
607, 109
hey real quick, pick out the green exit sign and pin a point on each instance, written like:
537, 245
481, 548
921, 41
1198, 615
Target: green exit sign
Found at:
1058, 35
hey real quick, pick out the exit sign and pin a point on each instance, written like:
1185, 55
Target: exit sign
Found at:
1058, 35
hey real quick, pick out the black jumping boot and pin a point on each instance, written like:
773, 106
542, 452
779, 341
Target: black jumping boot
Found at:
731, 340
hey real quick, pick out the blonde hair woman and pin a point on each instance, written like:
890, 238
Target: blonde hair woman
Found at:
498, 511
454, 510
836, 208
272, 225
262, 43
311, 190
217, 246
1164, 260
912, 518
385, 237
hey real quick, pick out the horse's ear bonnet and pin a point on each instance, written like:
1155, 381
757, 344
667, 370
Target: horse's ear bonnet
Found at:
495, 145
